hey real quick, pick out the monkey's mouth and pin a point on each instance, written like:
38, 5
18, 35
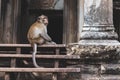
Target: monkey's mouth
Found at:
46, 24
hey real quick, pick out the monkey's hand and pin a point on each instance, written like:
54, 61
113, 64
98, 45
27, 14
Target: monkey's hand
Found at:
50, 43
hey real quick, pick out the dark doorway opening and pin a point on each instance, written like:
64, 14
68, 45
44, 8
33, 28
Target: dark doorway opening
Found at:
55, 26
116, 16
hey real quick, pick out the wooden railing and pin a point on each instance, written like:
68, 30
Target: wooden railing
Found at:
18, 51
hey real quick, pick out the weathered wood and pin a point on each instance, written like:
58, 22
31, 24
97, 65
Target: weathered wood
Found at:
16, 20
55, 76
57, 62
7, 23
39, 56
9, 19
57, 55
28, 45
56, 65
70, 21
7, 76
40, 70
18, 50
13, 62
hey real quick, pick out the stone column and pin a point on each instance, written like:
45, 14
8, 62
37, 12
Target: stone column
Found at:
97, 35
97, 28
98, 21
97, 41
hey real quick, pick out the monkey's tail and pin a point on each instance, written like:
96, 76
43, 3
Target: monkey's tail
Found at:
33, 56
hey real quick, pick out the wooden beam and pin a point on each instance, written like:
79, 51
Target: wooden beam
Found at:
56, 65
39, 69
28, 45
40, 56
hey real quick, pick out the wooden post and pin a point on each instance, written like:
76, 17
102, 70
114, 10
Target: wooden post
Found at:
13, 60
70, 21
7, 34
7, 76
9, 20
16, 20
55, 75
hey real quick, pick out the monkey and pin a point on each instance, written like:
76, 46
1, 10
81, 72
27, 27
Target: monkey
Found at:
37, 34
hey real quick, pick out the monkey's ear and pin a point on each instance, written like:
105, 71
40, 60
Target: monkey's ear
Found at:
44, 16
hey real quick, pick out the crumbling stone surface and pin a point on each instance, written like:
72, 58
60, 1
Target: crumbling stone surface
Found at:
93, 48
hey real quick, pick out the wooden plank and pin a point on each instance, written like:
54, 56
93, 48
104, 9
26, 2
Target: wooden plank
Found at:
40, 56
28, 45
56, 65
57, 61
39, 69
13, 60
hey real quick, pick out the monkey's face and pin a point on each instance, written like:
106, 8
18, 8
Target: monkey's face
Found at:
43, 19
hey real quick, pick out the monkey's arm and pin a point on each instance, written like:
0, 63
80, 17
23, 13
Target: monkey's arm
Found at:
45, 35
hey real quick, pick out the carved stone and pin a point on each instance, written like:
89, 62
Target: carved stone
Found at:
97, 44
93, 48
98, 20
46, 4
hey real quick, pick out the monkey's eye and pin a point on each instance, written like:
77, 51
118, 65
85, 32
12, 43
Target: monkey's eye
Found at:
43, 20
38, 18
